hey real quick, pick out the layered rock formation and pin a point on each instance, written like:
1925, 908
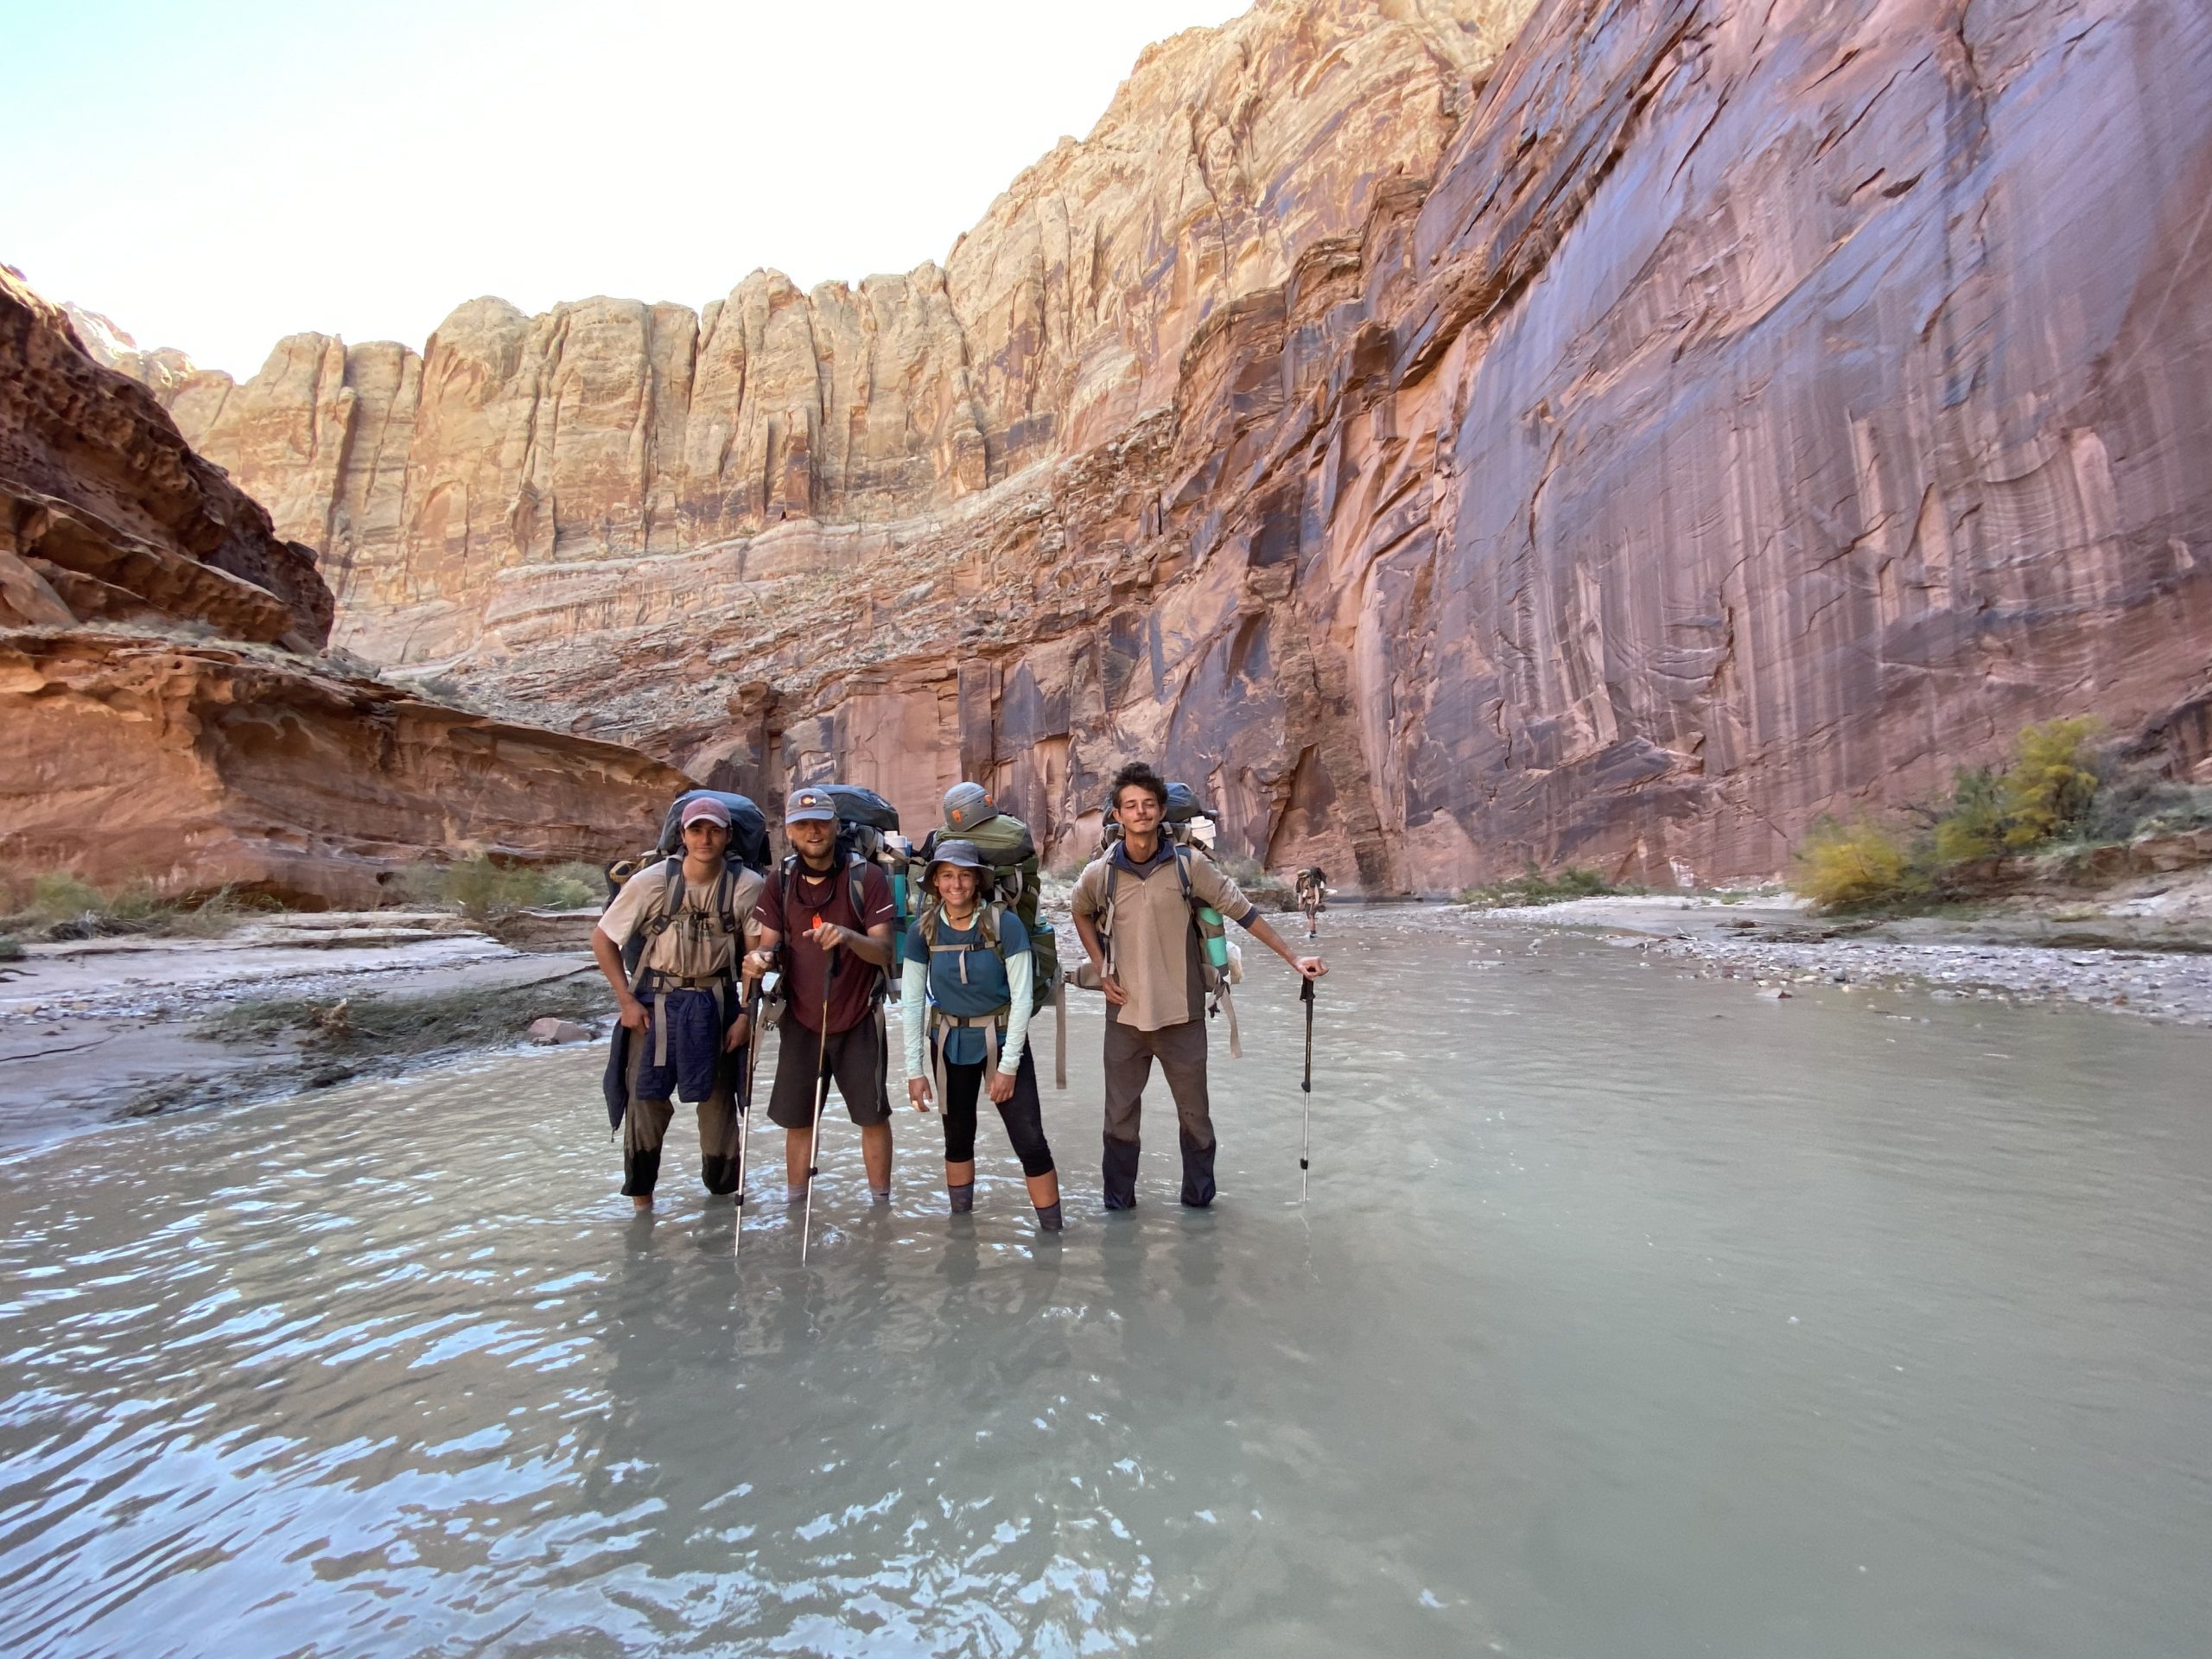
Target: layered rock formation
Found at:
201, 765
107, 514
1711, 416
160, 716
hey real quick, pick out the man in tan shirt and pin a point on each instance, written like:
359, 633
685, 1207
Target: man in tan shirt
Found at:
1138, 921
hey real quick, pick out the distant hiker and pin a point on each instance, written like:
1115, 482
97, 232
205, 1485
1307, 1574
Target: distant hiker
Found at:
969, 977
681, 1028
1136, 908
827, 916
1312, 890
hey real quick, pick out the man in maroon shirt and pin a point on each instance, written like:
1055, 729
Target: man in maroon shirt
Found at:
834, 958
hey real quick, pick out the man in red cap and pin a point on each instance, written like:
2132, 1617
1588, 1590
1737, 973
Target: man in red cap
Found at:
682, 1016
832, 920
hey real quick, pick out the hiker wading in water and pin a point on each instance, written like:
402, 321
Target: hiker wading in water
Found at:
1135, 909
685, 1027
823, 908
1312, 891
968, 974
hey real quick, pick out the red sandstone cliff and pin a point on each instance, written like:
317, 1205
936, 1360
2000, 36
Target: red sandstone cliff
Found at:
1710, 416
157, 717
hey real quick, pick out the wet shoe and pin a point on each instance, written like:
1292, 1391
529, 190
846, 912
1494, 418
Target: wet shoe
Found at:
1118, 1174
1197, 1173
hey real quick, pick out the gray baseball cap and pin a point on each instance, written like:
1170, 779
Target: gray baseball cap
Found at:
967, 805
811, 806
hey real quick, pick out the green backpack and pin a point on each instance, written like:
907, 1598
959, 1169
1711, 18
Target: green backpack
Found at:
1005, 843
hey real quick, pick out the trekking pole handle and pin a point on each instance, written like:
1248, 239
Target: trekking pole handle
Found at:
1304, 988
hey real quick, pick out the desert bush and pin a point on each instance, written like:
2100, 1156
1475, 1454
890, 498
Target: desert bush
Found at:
2051, 785
481, 888
11, 947
1973, 827
61, 904
572, 886
1855, 866
1534, 887
2133, 801
56, 895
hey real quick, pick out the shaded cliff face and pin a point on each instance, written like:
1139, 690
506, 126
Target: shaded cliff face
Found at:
1743, 413
106, 514
157, 721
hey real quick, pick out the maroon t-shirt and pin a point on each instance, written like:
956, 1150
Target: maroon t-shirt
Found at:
831, 898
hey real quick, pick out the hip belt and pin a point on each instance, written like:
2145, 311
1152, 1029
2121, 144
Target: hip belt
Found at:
992, 1025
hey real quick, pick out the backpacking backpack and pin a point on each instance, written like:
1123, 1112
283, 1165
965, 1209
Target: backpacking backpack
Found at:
748, 828
1011, 851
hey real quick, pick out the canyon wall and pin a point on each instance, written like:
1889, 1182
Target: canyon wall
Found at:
1620, 450
165, 714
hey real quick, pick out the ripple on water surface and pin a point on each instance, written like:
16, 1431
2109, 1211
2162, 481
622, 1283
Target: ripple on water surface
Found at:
1629, 1316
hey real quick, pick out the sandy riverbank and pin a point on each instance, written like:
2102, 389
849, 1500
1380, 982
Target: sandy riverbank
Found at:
96, 1030
2147, 954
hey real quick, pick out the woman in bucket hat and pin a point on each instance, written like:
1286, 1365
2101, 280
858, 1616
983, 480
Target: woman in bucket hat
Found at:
968, 993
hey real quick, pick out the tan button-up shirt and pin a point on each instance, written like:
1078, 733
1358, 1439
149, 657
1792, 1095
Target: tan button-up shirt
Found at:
1152, 946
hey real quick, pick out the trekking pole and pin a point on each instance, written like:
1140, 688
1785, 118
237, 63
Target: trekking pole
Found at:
1306, 1141
744, 1100
821, 1101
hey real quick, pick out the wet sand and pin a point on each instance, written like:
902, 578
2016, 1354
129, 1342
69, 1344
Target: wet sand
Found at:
98, 1030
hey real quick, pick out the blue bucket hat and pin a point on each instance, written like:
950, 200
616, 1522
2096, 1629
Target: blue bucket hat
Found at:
961, 855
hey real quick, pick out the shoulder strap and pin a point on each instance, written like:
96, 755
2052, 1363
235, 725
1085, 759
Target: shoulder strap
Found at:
671, 899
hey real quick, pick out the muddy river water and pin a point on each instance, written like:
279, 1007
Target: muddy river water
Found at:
1629, 1315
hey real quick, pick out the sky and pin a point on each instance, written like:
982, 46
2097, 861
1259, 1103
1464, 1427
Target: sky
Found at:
216, 176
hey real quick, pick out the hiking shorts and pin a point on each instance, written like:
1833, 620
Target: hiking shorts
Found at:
857, 1059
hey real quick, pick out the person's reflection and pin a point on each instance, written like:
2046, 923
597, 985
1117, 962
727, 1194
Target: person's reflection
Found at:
673, 1389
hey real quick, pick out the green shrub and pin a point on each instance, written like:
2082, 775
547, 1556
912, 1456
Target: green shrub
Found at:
61, 904
60, 893
1533, 887
1855, 866
1974, 826
11, 947
572, 886
480, 888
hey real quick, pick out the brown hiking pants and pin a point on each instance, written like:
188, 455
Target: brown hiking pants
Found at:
1181, 1050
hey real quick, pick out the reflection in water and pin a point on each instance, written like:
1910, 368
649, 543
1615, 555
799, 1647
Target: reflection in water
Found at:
1628, 1316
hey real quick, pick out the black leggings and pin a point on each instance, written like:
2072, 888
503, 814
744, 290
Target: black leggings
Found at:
1023, 1116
